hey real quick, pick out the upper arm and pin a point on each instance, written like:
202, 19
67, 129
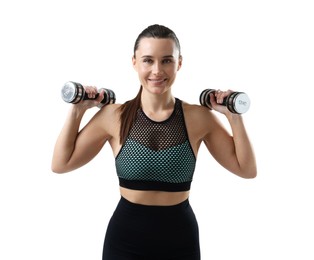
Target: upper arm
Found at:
204, 126
220, 143
234, 152
92, 137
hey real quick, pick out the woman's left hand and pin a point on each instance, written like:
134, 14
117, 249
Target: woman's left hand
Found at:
217, 99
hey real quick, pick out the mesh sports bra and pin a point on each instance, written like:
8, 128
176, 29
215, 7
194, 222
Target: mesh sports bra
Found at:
157, 155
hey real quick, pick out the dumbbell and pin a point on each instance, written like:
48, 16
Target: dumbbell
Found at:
236, 102
73, 92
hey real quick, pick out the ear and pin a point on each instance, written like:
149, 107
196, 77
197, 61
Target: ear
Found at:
179, 63
134, 62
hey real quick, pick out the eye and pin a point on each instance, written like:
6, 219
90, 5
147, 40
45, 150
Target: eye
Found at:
165, 61
148, 60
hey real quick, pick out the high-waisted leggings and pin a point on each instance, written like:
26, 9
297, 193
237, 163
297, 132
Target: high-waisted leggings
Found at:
140, 232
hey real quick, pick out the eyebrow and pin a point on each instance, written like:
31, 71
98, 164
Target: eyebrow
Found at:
149, 56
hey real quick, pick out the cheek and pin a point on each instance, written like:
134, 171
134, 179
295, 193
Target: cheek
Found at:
142, 70
172, 70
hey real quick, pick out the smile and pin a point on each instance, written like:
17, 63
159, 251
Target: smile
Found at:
157, 80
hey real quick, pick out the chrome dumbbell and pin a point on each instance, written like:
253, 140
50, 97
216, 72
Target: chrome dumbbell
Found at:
236, 102
73, 92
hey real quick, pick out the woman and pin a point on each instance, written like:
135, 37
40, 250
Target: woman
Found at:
155, 141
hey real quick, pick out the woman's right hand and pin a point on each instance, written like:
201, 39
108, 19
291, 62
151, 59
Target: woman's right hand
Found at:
91, 92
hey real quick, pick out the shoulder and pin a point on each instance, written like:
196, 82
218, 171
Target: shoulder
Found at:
109, 111
108, 115
106, 121
196, 111
202, 117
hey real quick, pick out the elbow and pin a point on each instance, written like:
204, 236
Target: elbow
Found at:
251, 174
56, 169
247, 172
60, 168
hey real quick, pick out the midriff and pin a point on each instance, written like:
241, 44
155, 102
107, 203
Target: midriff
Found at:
154, 198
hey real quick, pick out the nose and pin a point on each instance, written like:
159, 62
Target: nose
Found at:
157, 68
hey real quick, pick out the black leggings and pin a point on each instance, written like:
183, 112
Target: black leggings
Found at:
139, 232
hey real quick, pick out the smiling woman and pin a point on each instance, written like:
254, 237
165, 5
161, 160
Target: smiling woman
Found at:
157, 62
155, 138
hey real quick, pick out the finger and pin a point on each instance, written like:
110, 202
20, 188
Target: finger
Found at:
217, 92
212, 99
91, 91
220, 96
101, 95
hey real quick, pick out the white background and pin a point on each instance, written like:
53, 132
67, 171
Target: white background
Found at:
264, 48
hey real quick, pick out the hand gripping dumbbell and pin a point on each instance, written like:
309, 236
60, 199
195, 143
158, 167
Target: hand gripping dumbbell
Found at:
236, 102
73, 92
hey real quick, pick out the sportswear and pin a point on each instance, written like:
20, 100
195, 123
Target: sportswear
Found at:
157, 155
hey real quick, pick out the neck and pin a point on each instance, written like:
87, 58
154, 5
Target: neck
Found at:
157, 107
157, 103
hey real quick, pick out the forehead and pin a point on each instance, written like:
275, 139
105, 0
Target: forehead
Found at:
157, 47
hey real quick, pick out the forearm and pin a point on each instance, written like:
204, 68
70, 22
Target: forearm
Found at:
65, 143
243, 147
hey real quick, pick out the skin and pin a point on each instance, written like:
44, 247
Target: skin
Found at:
156, 62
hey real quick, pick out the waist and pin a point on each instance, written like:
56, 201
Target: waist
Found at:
154, 198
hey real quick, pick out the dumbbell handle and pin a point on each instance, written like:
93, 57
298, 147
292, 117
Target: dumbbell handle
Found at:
236, 102
73, 92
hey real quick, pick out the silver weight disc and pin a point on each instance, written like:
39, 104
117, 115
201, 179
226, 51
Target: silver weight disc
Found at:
241, 103
72, 92
69, 92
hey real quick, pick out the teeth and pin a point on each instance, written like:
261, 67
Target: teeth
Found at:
155, 80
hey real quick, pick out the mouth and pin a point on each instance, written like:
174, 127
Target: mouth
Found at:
157, 81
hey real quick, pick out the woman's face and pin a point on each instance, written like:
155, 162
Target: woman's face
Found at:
157, 62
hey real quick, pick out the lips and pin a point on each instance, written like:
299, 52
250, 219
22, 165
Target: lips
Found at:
157, 81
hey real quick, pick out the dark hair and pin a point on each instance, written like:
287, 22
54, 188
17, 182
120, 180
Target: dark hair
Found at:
158, 32
129, 109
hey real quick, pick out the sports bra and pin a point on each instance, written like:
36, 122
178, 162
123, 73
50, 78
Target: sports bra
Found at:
157, 155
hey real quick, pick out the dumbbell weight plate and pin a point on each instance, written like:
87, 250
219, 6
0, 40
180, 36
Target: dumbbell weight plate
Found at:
238, 102
72, 92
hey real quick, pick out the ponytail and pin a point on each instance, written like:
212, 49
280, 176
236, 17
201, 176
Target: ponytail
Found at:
128, 112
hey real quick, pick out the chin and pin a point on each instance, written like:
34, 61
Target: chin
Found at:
159, 90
